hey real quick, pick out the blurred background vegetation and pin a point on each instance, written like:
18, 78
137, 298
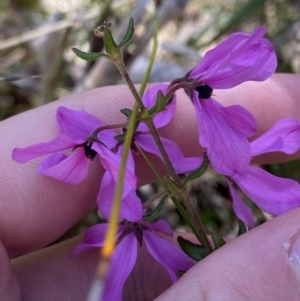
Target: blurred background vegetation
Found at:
37, 65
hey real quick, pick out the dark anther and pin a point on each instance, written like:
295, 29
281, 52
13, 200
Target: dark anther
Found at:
135, 228
89, 152
204, 91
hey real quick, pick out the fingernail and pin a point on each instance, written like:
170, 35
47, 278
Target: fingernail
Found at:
292, 248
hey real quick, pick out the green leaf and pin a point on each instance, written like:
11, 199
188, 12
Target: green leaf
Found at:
120, 137
199, 171
126, 112
89, 56
156, 212
129, 33
160, 104
242, 228
217, 239
196, 252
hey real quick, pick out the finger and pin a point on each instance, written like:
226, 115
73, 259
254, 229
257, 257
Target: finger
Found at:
254, 266
39, 209
9, 285
50, 274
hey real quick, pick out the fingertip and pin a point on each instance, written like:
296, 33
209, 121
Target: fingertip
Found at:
253, 266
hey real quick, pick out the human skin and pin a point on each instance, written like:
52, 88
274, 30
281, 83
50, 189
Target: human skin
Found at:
36, 210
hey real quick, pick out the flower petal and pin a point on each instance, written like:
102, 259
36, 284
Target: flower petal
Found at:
162, 227
239, 58
131, 206
25, 154
71, 169
181, 164
77, 125
240, 119
93, 237
111, 162
272, 194
227, 145
242, 211
169, 255
121, 265
284, 136
149, 100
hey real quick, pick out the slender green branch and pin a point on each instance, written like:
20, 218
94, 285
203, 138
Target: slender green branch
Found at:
150, 164
196, 223
114, 220
130, 84
153, 198
108, 127
152, 58
163, 152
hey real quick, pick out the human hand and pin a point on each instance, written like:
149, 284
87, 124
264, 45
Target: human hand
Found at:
37, 210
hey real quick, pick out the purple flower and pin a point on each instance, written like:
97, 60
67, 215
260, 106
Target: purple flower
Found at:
131, 207
272, 194
239, 58
75, 128
224, 131
131, 236
146, 141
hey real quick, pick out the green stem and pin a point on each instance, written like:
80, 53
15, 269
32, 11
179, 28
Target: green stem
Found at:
153, 198
150, 164
151, 60
114, 220
196, 224
108, 127
163, 152
130, 84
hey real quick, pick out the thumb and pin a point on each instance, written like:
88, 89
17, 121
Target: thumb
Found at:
9, 286
261, 265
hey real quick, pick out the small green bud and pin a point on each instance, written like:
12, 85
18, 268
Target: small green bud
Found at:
112, 49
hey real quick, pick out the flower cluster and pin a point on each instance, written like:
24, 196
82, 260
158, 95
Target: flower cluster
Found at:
223, 131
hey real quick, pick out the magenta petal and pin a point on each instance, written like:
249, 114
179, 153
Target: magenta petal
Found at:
239, 58
272, 194
240, 119
111, 162
162, 227
149, 99
169, 255
242, 211
120, 267
107, 137
227, 146
131, 206
181, 164
93, 237
78, 125
71, 169
106, 195
25, 154
284, 136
